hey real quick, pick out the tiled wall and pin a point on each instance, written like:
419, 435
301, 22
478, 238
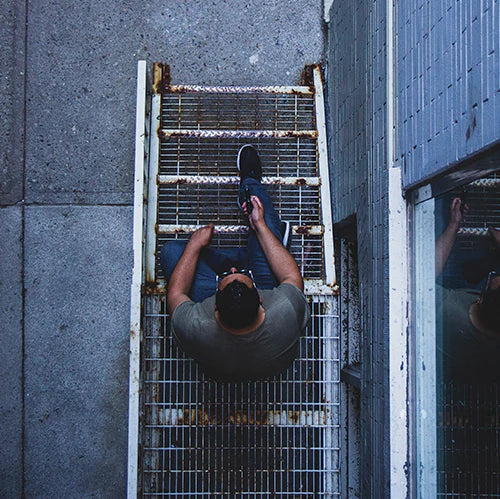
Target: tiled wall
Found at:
356, 89
448, 82
446, 88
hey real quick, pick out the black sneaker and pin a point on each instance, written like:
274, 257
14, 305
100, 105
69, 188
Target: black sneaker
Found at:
285, 233
248, 163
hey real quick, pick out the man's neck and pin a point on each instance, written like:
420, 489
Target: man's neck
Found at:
261, 315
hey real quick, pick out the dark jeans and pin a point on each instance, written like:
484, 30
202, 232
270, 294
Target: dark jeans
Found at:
215, 261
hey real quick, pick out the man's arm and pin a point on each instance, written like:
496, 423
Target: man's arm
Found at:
445, 242
183, 274
281, 262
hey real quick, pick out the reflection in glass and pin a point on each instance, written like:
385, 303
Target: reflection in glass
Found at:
468, 339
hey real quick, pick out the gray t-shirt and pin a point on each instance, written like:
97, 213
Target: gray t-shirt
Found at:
264, 352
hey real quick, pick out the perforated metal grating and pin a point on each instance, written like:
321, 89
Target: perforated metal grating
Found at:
269, 438
468, 441
205, 156
277, 437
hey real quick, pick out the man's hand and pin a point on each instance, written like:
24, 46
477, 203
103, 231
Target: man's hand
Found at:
256, 218
457, 214
201, 237
281, 262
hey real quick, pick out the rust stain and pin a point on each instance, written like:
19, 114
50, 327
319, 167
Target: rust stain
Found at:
300, 181
304, 230
219, 417
306, 77
167, 134
471, 127
162, 78
296, 92
153, 288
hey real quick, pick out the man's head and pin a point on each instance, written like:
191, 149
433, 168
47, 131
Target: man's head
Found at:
489, 304
237, 300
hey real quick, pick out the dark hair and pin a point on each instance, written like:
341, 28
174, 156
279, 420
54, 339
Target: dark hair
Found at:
237, 304
489, 310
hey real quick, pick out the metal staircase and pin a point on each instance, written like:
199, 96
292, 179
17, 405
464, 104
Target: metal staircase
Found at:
190, 436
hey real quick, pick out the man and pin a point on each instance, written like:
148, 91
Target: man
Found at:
470, 320
238, 312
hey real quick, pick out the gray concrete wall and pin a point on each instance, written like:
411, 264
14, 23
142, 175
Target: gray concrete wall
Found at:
67, 149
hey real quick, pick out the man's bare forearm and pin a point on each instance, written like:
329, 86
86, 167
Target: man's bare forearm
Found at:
182, 277
444, 244
183, 274
281, 262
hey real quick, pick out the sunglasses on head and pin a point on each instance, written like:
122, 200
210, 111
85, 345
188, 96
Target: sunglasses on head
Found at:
246, 272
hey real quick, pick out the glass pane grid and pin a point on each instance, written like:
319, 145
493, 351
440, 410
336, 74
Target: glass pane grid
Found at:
467, 456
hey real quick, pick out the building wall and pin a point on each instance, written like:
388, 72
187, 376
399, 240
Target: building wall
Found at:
446, 102
357, 122
448, 82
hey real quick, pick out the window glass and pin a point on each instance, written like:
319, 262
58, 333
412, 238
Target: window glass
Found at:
467, 339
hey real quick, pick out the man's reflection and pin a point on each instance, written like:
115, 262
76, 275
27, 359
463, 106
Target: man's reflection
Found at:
470, 318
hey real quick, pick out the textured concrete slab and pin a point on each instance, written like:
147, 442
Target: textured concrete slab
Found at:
78, 271
82, 69
12, 20
11, 352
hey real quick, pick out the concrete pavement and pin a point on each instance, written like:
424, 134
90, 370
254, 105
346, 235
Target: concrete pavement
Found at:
67, 97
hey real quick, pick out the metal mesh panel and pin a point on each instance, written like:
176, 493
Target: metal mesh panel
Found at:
275, 437
483, 199
469, 439
201, 204
201, 156
238, 111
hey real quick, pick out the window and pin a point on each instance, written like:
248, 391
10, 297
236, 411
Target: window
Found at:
457, 339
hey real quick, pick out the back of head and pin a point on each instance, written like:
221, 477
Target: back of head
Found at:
237, 304
489, 310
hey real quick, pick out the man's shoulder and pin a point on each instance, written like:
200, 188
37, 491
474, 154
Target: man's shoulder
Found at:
284, 299
286, 289
190, 312
189, 320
